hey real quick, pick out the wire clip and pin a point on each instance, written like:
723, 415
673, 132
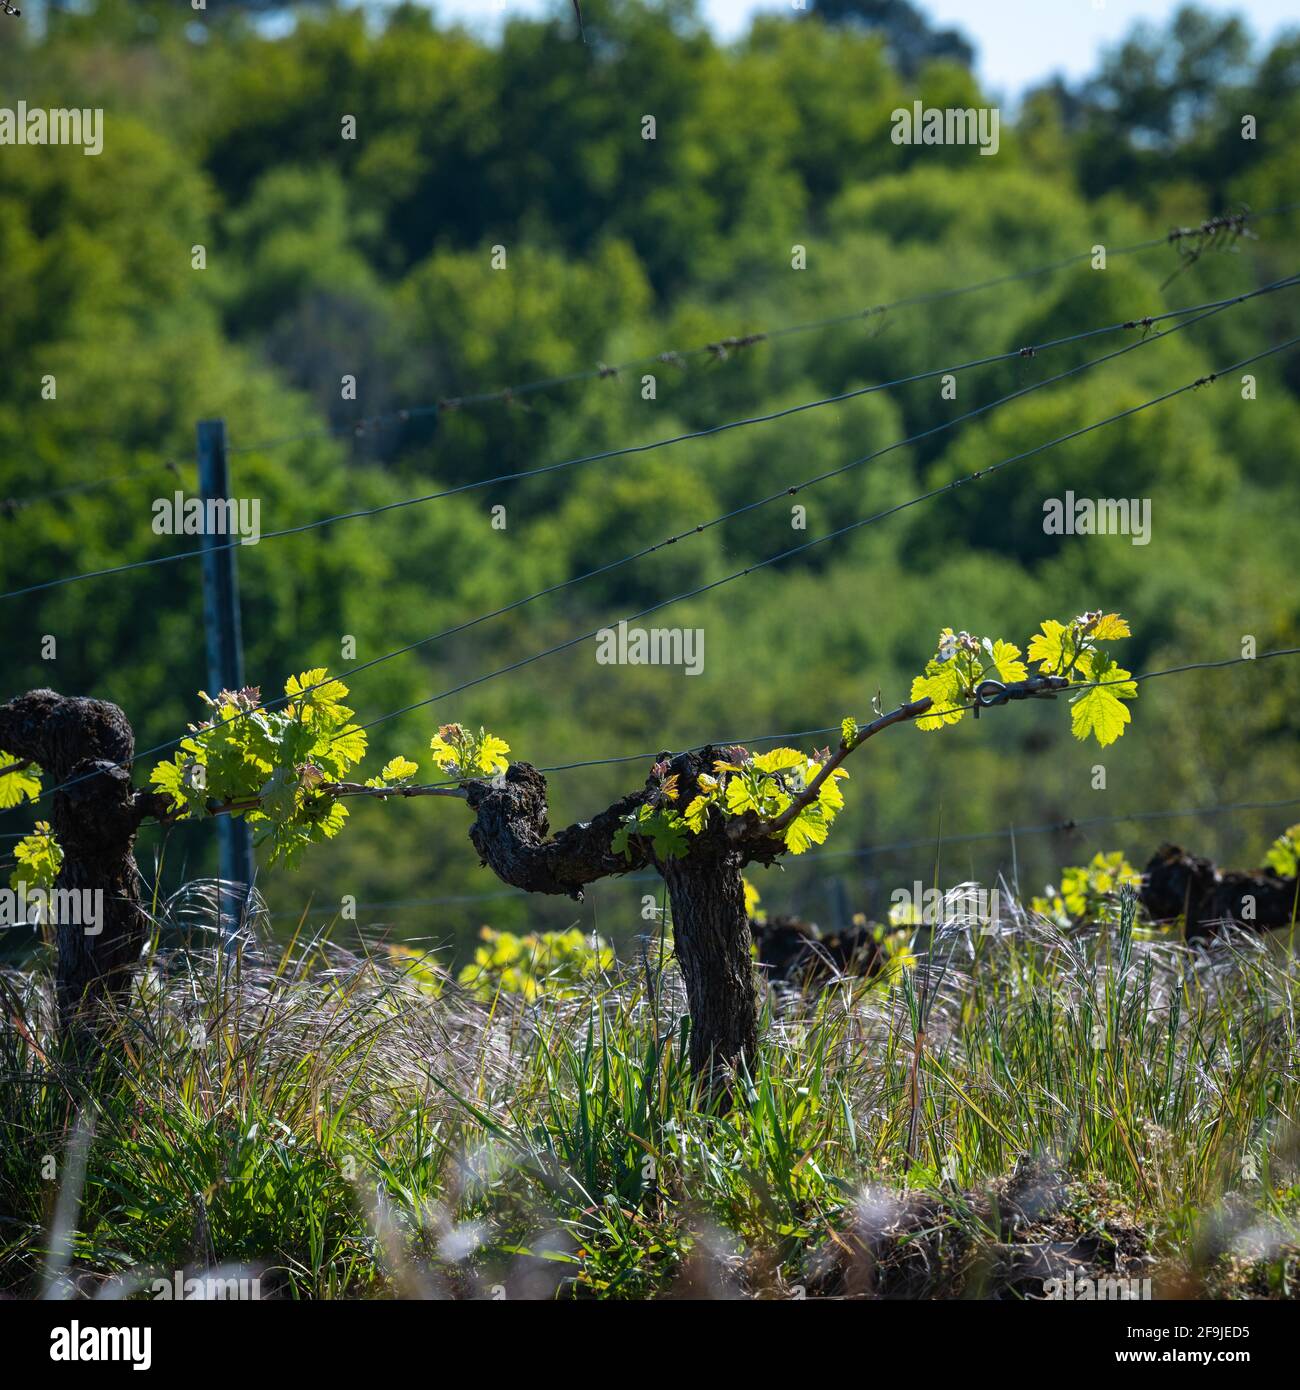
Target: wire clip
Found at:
990, 693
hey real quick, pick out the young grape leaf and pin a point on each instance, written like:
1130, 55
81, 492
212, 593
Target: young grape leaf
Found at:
395, 771
343, 749
779, 759
324, 702
1048, 646
944, 688
668, 834
808, 828
1006, 663
740, 797
1109, 628
1100, 710
829, 795
492, 753
22, 785
619, 842
39, 858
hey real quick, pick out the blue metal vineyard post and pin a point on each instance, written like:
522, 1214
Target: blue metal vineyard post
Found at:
225, 644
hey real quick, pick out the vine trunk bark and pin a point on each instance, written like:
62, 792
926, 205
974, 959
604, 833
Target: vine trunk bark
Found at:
87, 745
712, 938
711, 931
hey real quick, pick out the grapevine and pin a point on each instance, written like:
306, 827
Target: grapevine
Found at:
283, 769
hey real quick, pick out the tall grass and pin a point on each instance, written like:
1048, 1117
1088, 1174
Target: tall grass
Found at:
352, 1124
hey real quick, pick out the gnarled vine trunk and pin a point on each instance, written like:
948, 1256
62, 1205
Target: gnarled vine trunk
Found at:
710, 928
711, 938
88, 744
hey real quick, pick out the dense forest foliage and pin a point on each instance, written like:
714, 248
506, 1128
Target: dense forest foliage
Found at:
373, 257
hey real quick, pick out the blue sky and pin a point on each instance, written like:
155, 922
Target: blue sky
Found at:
1019, 41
